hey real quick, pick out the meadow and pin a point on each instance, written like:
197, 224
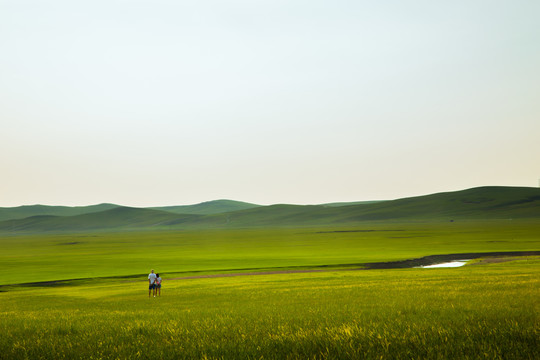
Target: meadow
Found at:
489, 310
48, 257
478, 311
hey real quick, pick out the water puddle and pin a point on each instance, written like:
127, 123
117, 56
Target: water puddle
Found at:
455, 263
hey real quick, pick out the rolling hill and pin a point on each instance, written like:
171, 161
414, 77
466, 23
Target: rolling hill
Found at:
117, 218
208, 207
21, 212
338, 204
477, 203
205, 208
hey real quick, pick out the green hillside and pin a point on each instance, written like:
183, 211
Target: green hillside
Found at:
21, 212
477, 203
338, 204
205, 208
490, 202
117, 218
208, 207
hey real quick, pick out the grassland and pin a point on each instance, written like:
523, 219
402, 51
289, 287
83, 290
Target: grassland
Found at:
21, 212
49, 257
488, 310
209, 207
485, 311
496, 203
205, 208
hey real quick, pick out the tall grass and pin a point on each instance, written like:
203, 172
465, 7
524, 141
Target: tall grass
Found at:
483, 311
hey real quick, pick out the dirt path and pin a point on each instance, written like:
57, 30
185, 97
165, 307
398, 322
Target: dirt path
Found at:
403, 264
256, 273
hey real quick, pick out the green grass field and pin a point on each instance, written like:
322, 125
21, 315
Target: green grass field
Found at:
477, 311
484, 311
73, 256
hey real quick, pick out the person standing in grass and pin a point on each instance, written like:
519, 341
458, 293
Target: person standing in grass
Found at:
158, 284
152, 283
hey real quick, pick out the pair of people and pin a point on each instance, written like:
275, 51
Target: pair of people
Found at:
154, 284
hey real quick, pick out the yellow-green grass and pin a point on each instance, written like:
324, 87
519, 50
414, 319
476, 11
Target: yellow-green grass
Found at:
482, 311
47, 257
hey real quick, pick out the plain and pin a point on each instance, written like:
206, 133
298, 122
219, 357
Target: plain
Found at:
75, 287
478, 311
50, 257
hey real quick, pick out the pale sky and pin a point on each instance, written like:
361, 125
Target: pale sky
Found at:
148, 103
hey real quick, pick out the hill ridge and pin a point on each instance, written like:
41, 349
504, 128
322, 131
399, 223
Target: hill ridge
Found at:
24, 211
476, 203
204, 208
208, 207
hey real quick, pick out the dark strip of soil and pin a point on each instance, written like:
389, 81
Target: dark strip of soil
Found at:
353, 231
437, 259
403, 264
253, 273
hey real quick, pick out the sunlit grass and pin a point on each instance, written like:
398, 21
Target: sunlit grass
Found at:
485, 311
478, 311
71, 256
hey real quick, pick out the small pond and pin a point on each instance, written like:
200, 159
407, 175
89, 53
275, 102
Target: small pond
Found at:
455, 263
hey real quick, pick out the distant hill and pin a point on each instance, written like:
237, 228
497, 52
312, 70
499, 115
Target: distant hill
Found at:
209, 207
205, 208
117, 218
337, 204
477, 203
21, 212
490, 202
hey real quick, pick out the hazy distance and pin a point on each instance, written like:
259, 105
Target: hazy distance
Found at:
154, 103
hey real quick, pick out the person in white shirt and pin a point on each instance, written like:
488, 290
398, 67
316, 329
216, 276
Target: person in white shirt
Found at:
152, 283
158, 284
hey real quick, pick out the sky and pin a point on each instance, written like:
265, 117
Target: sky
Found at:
153, 103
